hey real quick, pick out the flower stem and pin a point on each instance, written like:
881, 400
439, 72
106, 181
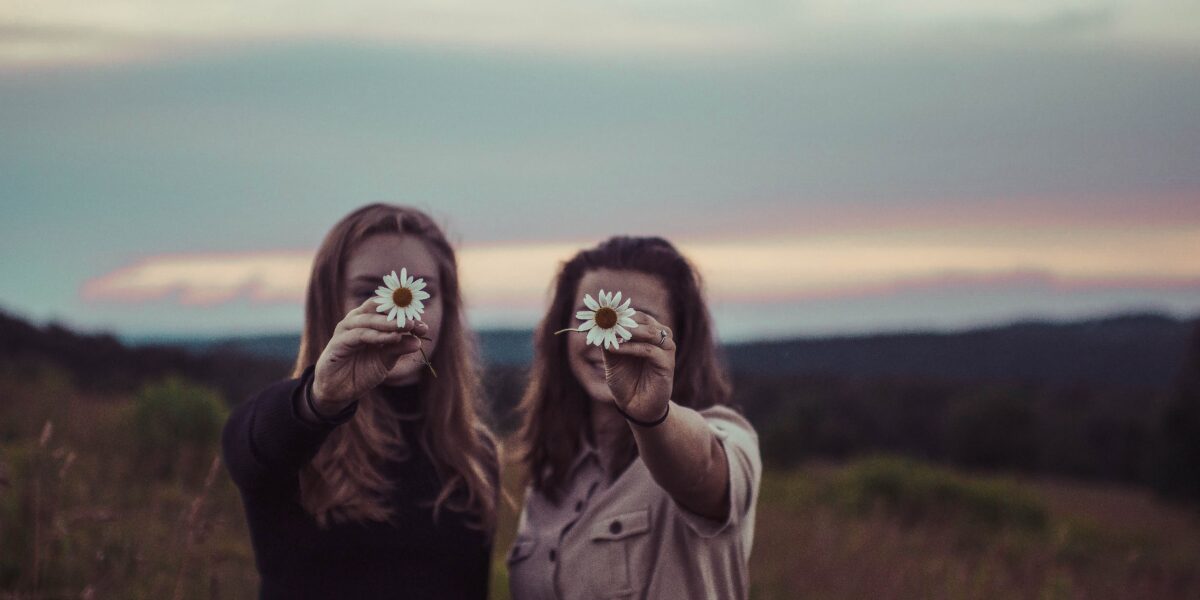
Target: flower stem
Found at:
427, 363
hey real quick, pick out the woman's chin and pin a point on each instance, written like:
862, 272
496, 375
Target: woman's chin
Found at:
403, 374
601, 395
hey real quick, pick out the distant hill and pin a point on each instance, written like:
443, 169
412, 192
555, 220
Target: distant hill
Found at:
1133, 351
500, 347
101, 362
1094, 399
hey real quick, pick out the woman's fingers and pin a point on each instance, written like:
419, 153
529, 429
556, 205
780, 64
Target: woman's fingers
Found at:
392, 343
660, 357
380, 322
650, 331
367, 307
360, 336
362, 320
367, 315
419, 329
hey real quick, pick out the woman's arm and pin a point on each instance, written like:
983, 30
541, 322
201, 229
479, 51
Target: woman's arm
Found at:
271, 436
682, 452
688, 461
267, 439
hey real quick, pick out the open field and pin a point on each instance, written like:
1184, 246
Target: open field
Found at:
90, 508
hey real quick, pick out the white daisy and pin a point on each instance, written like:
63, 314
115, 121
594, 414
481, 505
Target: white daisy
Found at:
607, 322
402, 297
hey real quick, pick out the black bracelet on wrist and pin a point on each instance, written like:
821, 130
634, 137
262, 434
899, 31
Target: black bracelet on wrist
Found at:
337, 419
641, 423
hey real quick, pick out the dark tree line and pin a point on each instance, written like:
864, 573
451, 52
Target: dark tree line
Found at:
1088, 430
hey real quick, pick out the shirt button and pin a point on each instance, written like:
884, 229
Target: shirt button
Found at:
614, 527
553, 555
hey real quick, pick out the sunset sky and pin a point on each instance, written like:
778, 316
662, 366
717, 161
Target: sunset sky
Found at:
169, 167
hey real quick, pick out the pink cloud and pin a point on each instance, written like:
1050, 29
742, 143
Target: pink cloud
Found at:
1008, 281
516, 276
205, 279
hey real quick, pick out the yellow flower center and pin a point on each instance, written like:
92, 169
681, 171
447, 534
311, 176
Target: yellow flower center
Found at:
402, 297
606, 317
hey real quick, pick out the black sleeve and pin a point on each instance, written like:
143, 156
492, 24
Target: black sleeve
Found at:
265, 441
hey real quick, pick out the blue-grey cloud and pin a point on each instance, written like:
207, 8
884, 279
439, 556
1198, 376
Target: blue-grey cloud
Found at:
265, 147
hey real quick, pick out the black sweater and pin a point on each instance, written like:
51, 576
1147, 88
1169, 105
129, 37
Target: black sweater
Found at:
265, 444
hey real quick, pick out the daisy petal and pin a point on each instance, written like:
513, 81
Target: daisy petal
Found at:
626, 321
392, 315
384, 306
586, 326
625, 306
616, 299
590, 302
585, 315
417, 285
621, 331
419, 295
594, 335
382, 300
403, 276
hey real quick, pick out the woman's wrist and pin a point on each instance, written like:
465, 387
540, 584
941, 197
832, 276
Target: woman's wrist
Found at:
646, 423
322, 400
318, 410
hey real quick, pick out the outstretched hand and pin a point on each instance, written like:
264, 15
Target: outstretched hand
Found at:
365, 346
640, 372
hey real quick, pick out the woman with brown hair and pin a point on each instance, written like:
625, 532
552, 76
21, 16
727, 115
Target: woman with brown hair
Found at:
369, 474
643, 483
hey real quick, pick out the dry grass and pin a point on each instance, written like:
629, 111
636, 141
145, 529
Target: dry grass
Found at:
78, 521
806, 545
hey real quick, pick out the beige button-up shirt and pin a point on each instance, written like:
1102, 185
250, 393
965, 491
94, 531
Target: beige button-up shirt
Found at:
628, 538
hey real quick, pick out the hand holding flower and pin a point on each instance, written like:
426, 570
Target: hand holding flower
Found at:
641, 371
639, 356
363, 349
366, 345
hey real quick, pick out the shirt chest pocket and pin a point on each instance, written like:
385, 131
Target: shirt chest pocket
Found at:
521, 549
622, 557
523, 575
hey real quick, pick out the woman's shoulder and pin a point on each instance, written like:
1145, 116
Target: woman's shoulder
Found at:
726, 419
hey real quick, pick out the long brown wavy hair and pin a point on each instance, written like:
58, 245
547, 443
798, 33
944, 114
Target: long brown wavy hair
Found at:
556, 410
345, 480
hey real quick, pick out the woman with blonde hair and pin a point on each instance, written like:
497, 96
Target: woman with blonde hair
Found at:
369, 474
643, 483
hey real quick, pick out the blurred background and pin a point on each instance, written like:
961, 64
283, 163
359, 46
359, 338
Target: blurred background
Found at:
951, 249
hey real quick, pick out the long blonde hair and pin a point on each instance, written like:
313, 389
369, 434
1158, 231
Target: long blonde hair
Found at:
345, 480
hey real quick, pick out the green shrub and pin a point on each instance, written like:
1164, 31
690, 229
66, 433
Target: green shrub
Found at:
917, 491
176, 426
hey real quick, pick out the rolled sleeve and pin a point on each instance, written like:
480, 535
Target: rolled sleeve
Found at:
740, 442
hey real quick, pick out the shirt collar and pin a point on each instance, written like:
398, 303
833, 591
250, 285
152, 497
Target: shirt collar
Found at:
587, 450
